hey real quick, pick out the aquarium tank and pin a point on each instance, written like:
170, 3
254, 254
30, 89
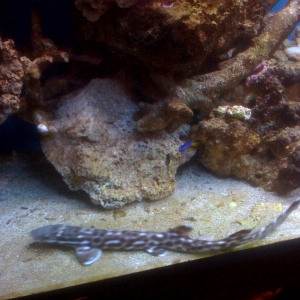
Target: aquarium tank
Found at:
144, 135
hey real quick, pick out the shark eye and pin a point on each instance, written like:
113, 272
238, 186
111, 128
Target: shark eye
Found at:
47, 236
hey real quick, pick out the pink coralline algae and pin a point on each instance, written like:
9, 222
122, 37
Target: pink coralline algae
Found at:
258, 71
167, 3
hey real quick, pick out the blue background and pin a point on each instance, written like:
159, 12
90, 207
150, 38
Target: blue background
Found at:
280, 4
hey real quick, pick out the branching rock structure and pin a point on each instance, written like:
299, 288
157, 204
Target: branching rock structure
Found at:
229, 146
11, 79
44, 54
204, 91
215, 72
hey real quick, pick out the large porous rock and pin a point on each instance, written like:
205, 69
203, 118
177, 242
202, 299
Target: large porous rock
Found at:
267, 156
178, 37
91, 139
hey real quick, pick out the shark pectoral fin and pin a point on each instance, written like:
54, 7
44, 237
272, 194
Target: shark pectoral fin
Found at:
182, 230
87, 255
157, 251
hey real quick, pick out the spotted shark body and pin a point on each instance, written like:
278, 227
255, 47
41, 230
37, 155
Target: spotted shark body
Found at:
89, 242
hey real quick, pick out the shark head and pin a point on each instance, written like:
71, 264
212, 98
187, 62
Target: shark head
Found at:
46, 234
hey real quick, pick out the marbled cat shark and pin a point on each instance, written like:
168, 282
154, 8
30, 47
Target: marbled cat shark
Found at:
89, 242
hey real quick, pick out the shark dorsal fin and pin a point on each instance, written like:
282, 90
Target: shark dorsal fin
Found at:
182, 230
